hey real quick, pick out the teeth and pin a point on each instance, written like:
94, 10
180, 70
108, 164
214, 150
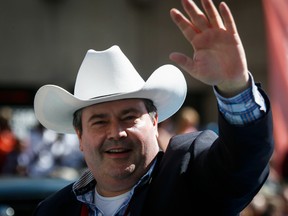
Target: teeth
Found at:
116, 150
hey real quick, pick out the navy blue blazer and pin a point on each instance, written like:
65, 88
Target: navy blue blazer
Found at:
200, 174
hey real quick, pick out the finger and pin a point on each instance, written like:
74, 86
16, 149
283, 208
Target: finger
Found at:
212, 14
228, 19
185, 62
197, 17
186, 27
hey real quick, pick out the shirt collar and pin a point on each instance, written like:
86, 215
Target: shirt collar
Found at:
86, 183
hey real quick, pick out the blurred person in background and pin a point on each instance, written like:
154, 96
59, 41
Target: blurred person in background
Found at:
10, 148
186, 120
115, 115
49, 154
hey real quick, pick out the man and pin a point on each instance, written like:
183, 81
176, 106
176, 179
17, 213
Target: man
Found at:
115, 114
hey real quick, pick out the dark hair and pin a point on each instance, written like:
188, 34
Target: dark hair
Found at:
77, 123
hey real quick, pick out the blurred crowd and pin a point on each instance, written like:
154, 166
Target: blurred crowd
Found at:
44, 153
272, 199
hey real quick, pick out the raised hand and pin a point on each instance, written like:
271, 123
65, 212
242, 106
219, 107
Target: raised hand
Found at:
219, 57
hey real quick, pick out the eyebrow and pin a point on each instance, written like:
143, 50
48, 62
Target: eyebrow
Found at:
130, 110
123, 112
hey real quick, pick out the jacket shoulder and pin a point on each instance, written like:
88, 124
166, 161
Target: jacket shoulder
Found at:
198, 140
63, 202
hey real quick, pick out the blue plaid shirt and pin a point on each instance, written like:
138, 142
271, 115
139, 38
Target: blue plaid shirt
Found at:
241, 109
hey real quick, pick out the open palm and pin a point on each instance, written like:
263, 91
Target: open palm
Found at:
219, 57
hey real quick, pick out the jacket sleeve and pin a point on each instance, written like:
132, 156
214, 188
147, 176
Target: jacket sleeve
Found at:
236, 165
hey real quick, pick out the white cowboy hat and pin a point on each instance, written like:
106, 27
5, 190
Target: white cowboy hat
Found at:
107, 76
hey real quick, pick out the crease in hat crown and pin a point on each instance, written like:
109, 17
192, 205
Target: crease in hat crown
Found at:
93, 74
106, 76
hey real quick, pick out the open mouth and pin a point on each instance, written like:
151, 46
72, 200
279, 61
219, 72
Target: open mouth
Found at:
117, 151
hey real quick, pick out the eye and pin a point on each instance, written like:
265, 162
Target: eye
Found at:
99, 122
130, 117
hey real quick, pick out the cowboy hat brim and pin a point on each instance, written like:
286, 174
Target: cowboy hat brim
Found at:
166, 87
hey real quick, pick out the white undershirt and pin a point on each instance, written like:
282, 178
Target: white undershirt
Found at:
109, 205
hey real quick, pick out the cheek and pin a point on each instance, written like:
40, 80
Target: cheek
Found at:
89, 142
85, 143
144, 130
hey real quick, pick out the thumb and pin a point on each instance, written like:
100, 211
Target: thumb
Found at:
183, 61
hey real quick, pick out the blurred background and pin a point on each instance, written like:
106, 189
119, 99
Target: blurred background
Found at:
45, 41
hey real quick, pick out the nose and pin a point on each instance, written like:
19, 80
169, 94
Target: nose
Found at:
116, 131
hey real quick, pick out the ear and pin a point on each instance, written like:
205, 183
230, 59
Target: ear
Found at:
79, 135
155, 123
155, 120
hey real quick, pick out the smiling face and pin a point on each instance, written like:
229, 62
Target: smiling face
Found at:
119, 141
